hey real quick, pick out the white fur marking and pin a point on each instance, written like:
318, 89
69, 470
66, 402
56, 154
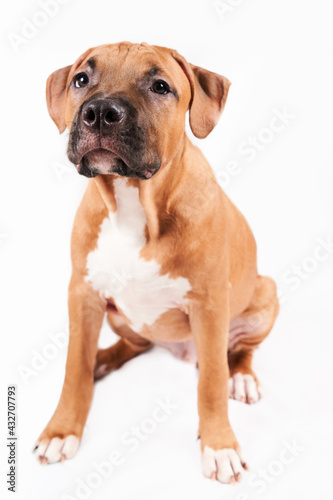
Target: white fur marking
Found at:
53, 452
57, 449
225, 463
243, 387
70, 446
116, 269
239, 387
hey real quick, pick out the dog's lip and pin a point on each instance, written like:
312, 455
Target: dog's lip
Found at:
145, 174
99, 150
148, 172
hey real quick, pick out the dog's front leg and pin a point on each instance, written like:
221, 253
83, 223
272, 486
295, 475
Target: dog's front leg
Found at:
61, 437
221, 458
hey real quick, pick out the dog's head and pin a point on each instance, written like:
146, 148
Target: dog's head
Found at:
125, 104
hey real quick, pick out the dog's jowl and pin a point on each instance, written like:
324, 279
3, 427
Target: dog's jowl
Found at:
156, 244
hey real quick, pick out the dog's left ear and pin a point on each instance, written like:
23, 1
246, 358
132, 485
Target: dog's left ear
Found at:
209, 94
56, 96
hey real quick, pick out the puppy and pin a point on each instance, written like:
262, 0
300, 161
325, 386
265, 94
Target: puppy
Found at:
156, 245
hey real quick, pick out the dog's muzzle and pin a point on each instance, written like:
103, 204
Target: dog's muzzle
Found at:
106, 139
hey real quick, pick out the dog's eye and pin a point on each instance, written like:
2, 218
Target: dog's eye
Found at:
81, 80
160, 87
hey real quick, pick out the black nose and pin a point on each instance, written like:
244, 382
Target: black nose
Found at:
102, 114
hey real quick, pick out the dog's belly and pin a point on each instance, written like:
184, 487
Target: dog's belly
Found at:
171, 327
116, 270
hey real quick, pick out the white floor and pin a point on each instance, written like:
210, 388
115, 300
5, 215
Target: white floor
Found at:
278, 56
286, 437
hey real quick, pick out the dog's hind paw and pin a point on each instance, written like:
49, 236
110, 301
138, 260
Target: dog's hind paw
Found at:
243, 387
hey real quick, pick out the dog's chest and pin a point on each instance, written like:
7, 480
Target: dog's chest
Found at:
117, 271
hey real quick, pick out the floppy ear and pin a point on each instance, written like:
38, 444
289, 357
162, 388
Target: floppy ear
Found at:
56, 91
56, 96
209, 94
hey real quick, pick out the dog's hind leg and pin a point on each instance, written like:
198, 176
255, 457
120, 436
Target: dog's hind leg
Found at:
126, 348
116, 355
246, 333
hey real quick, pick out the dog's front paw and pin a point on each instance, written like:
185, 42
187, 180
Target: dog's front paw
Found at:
58, 448
225, 465
245, 388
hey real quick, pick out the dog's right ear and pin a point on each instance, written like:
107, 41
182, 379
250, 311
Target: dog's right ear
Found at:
56, 96
56, 91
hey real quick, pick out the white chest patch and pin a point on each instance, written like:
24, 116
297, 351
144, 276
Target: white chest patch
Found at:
116, 269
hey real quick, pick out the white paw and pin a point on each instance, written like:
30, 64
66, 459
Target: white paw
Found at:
244, 387
50, 451
224, 465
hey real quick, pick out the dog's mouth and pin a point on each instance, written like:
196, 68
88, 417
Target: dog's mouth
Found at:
103, 161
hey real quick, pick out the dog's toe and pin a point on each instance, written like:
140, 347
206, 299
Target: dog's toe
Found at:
244, 388
50, 451
224, 465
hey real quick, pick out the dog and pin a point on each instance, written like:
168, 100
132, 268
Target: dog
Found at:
156, 245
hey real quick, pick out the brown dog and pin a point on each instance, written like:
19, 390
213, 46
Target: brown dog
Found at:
156, 244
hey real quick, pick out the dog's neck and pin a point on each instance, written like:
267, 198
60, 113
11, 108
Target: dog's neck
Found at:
159, 196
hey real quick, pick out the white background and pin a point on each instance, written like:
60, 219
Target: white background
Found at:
278, 55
